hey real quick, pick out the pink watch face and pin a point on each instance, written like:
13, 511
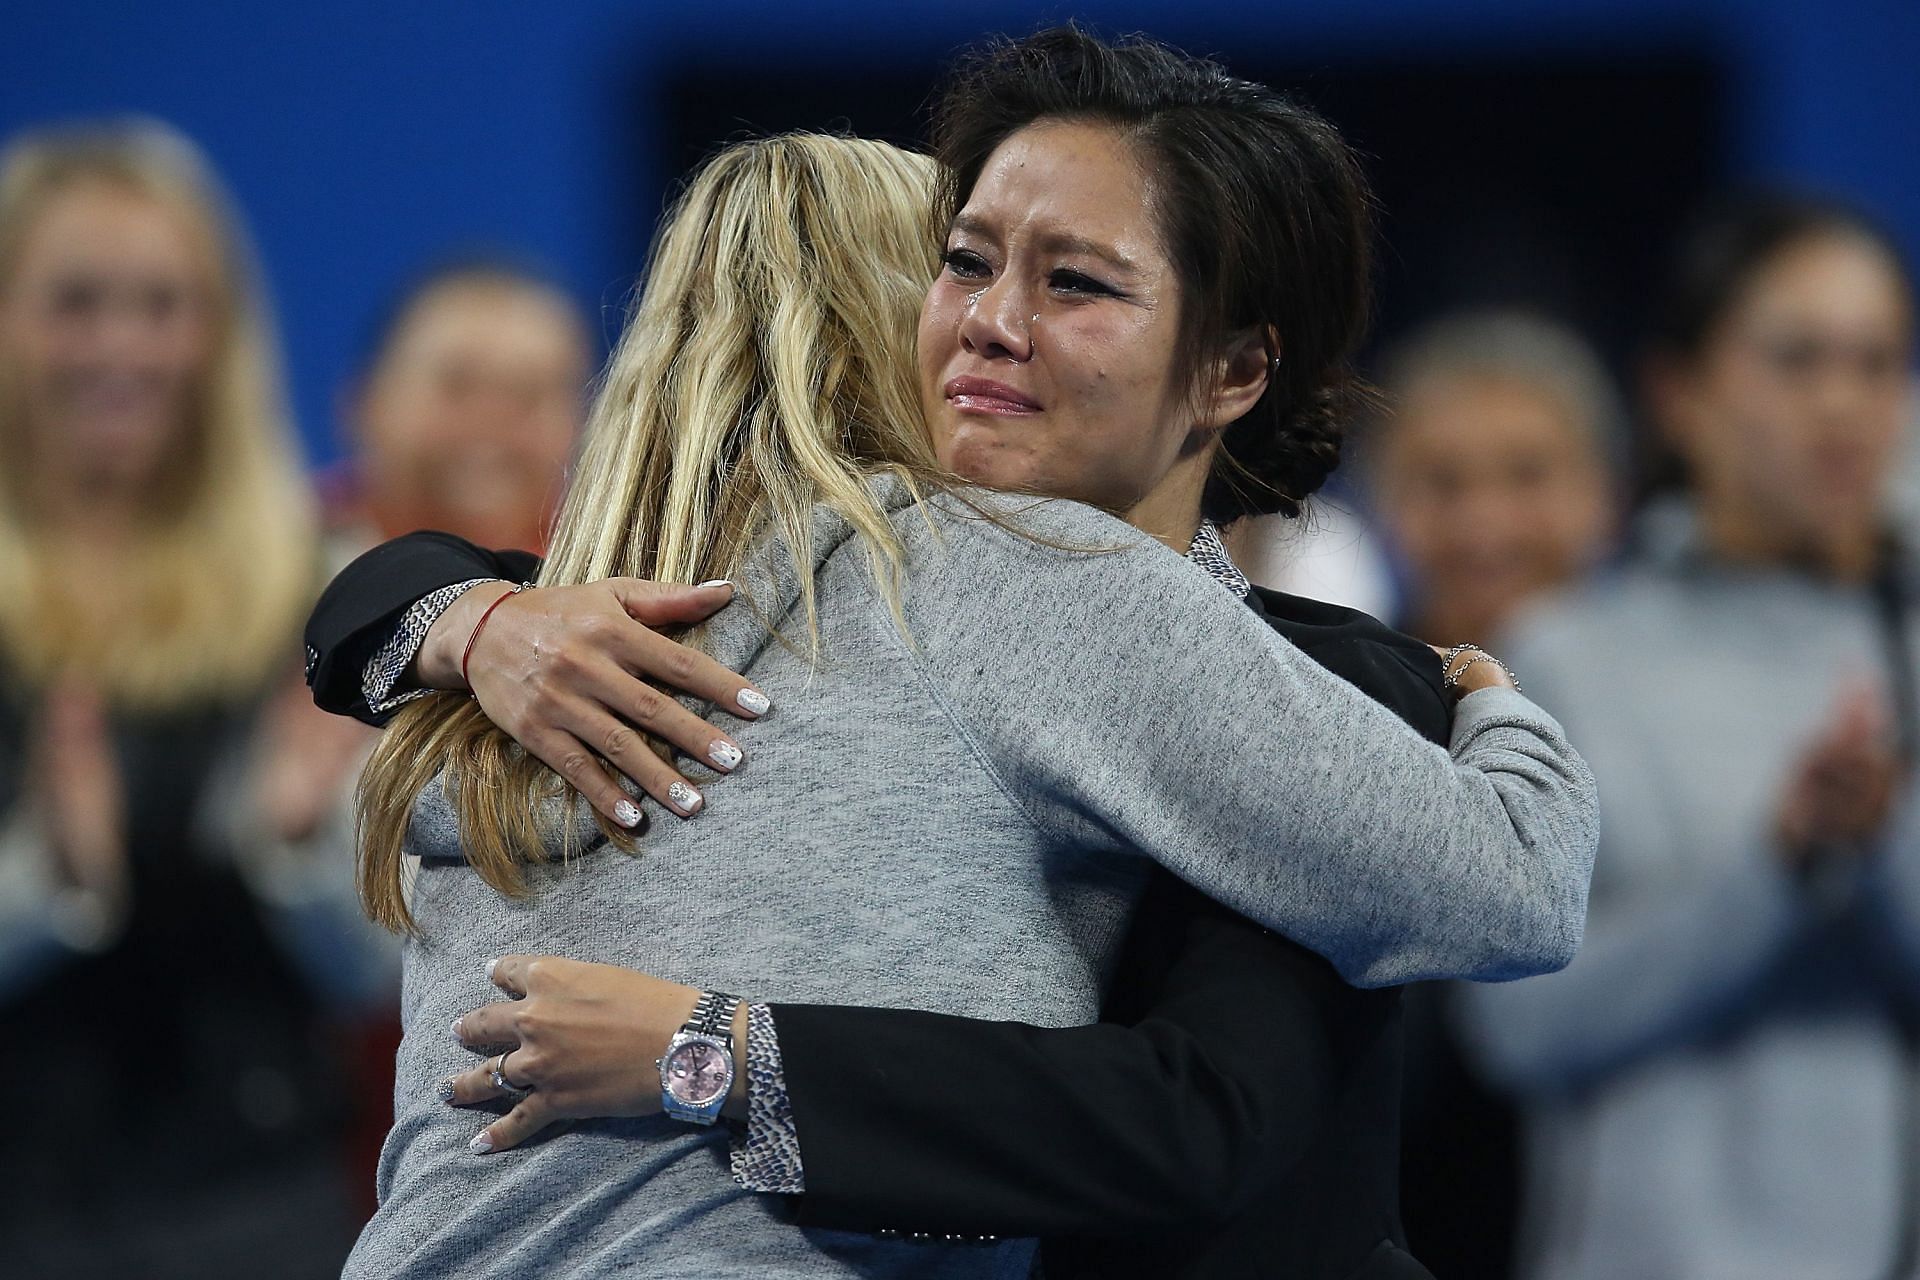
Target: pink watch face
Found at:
696, 1073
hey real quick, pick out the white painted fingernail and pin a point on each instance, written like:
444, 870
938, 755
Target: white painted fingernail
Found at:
753, 700
627, 814
445, 1090
725, 755
481, 1144
457, 1039
684, 797
490, 967
715, 582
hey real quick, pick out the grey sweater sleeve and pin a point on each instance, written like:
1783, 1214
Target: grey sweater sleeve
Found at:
1126, 702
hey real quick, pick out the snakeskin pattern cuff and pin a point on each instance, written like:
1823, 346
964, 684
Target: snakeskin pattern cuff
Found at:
396, 655
1209, 551
766, 1157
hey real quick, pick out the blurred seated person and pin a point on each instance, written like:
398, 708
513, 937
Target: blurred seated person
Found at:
1490, 470
158, 772
1723, 1083
466, 415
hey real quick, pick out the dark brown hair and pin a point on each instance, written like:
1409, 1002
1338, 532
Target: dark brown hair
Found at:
1730, 243
1263, 208
501, 267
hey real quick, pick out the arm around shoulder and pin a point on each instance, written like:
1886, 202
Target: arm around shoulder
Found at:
1128, 702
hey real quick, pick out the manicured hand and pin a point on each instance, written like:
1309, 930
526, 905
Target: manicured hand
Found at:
564, 672
584, 1038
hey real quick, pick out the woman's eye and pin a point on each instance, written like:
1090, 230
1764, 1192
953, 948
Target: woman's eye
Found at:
1881, 364
965, 263
75, 299
1795, 357
165, 304
1073, 282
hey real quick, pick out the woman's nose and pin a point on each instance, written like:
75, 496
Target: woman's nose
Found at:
997, 324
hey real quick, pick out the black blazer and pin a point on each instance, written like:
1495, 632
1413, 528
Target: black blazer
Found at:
1236, 1112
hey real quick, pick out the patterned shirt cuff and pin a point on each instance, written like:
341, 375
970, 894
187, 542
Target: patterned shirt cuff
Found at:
1209, 551
396, 655
766, 1157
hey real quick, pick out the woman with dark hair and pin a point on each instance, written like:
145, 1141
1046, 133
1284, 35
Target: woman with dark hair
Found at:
1060, 314
1723, 1082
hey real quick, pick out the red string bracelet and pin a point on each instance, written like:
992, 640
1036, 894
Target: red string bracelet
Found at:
467, 653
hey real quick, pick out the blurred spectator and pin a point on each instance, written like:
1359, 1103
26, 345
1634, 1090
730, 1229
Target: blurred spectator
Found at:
1491, 471
168, 931
466, 416
1489, 475
464, 419
1906, 484
1723, 1083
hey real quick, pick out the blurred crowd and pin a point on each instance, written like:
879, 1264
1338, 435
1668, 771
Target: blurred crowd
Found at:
1700, 563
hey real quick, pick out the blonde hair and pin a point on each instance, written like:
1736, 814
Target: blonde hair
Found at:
208, 598
767, 368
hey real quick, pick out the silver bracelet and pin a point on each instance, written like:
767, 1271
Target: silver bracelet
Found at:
1451, 675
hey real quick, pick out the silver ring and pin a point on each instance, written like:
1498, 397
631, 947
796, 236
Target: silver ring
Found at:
498, 1074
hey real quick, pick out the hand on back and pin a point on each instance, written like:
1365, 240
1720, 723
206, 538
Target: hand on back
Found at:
576, 675
574, 1040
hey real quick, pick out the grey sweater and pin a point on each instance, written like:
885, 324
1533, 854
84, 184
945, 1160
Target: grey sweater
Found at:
961, 821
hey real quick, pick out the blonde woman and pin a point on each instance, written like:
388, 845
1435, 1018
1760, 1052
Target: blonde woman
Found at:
962, 846
156, 552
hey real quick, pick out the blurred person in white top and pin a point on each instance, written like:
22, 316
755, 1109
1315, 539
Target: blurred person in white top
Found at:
1488, 479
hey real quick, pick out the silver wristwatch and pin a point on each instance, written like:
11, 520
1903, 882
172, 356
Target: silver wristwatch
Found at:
697, 1069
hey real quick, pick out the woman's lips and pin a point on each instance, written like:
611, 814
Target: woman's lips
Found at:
982, 395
